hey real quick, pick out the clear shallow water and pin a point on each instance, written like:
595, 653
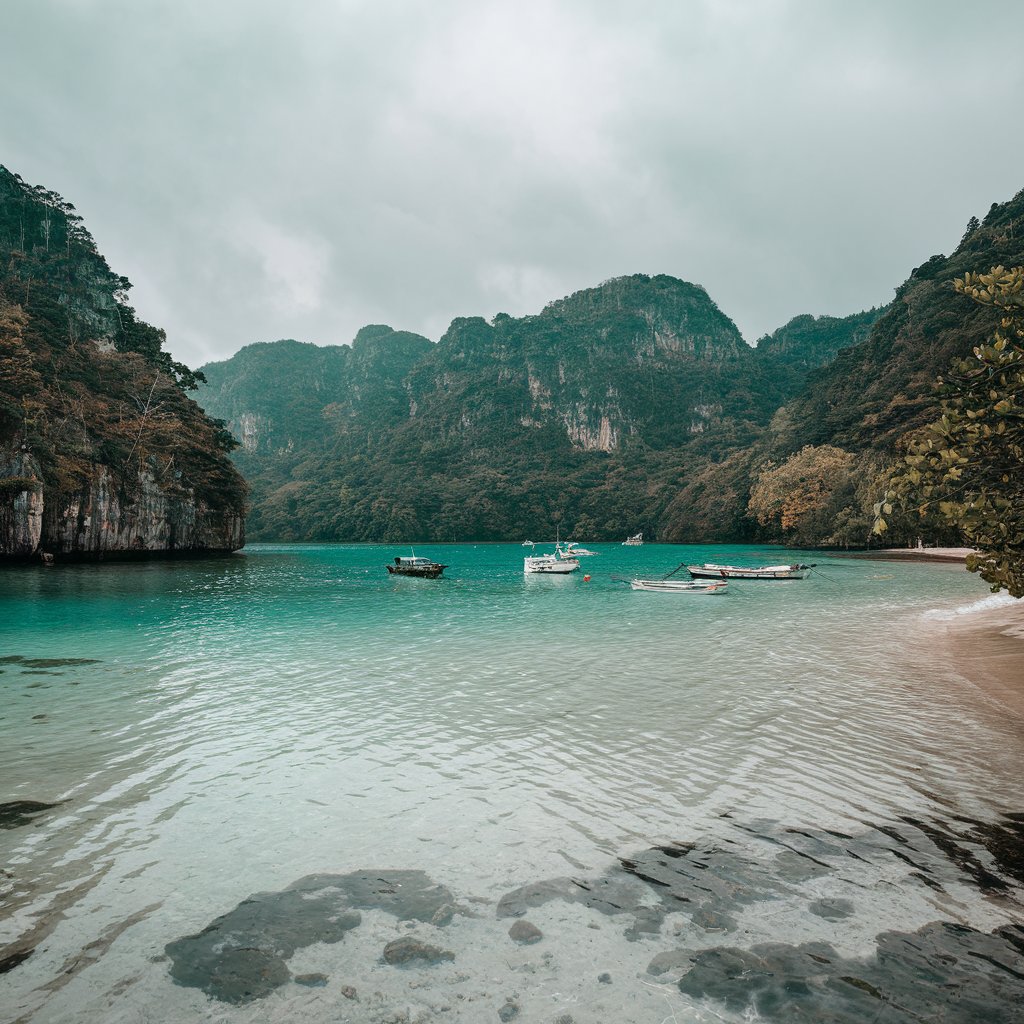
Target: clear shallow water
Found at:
233, 726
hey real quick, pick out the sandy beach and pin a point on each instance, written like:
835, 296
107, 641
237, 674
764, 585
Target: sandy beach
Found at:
915, 554
985, 644
987, 647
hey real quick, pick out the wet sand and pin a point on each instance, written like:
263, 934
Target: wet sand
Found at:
987, 648
986, 645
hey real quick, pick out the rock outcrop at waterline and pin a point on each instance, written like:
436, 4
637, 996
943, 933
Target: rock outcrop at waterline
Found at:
102, 453
106, 518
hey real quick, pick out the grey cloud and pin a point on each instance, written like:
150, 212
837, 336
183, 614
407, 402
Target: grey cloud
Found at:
263, 171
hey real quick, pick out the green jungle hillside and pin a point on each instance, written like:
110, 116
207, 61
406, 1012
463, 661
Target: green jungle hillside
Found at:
590, 416
101, 449
827, 456
631, 406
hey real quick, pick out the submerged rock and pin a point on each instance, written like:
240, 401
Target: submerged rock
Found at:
234, 974
12, 960
241, 956
714, 920
831, 910
16, 813
672, 961
408, 895
315, 980
409, 949
941, 972
525, 933
509, 1011
57, 662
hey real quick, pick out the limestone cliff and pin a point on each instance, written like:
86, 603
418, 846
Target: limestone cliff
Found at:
585, 414
102, 453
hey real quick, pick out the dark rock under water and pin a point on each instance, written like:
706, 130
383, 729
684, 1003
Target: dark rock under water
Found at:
241, 956
941, 972
410, 950
16, 813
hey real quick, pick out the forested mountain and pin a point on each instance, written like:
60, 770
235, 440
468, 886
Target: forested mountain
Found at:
634, 405
827, 455
589, 415
101, 451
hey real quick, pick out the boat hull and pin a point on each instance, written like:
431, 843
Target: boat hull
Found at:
549, 566
427, 573
734, 572
679, 587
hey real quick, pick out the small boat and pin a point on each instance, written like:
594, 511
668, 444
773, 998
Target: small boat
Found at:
679, 586
575, 551
415, 566
558, 563
635, 541
749, 572
527, 544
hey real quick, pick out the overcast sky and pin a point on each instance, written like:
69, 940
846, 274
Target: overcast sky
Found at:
296, 170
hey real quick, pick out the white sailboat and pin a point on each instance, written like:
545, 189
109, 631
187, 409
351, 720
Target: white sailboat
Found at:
557, 564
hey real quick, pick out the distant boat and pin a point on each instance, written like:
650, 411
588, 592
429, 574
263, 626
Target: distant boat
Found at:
756, 572
679, 586
575, 551
527, 544
558, 563
635, 541
414, 566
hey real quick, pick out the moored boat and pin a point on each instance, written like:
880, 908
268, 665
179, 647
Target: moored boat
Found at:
635, 541
558, 563
679, 586
575, 551
413, 565
749, 572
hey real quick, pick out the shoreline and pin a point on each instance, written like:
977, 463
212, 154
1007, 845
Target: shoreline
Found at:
913, 554
985, 646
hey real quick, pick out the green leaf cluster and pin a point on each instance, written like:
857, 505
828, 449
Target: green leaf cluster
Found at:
967, 467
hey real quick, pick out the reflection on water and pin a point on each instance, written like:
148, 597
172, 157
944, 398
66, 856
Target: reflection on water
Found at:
281, 747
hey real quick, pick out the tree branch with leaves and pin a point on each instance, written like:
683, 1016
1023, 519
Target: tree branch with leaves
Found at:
967, 467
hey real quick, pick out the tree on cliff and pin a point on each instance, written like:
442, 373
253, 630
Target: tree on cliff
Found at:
967, 467
800, 497
90, 401
19, 380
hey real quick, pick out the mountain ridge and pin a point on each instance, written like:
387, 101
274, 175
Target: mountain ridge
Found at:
580, 411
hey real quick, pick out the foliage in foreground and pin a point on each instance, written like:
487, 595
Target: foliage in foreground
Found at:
967, 467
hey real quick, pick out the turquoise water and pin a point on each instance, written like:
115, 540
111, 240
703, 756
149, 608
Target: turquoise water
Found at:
212, 730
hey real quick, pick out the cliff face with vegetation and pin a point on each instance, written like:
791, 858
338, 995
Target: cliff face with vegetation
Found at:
102, 453
813, 476
588, 415
632, 406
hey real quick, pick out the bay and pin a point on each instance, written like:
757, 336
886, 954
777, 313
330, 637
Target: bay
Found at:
792, 772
